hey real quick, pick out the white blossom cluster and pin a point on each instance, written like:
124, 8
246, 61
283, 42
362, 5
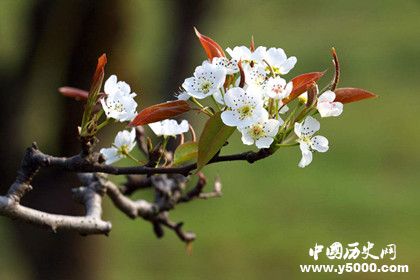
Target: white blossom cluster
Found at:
119, 104
254, 107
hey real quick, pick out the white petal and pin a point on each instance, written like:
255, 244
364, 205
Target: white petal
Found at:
183, 96
246, 138
319, 143
183, 126
110, 154
309, 126
276, 57
329, 109
298, 129
306, 155
110, 86
327, 96
124, 87
156, 128
234, 97
264, 142
271, 127
288, 65
229, 118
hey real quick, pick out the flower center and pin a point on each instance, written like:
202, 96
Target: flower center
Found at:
245, 111
123, 149
256, 131
277, 89
206, 86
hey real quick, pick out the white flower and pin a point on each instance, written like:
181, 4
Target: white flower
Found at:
124, 142
277, 88
112, 86
278, 60
246, 55
230, 66
207, 80
118, 102
308, 144
243, 107
262, 132
169, 127
120, 106
255, 76
326, 105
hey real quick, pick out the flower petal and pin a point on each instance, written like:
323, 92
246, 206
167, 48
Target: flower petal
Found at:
319, 143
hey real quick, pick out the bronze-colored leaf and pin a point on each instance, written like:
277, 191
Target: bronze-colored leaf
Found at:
160, 112
211, 48
349, 95
302, 83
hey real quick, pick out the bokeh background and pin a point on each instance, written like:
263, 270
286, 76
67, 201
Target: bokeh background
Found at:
366, 188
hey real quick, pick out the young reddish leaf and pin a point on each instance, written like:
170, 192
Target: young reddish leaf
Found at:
98, 76
76, 93
160, 112
211, 48
302, 83
348, 95
93, 95
185, 153
212, 139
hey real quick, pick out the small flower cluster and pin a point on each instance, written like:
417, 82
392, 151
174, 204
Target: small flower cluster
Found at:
119, 104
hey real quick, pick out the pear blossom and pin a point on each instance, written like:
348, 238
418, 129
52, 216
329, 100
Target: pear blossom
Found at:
231, 66
207, 80
124, 142
169, 127
261, 132
305, 130
326, 105
255, 76
278, 88
243, 107
243, 53
118, 102
120, 106
277, 59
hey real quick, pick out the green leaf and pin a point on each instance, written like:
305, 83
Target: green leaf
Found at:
212, 139
185, 153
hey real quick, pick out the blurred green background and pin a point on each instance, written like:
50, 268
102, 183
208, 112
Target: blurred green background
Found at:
366, 188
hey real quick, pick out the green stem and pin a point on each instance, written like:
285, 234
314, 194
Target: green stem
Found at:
165, 142
195, 101
130, 156
287, 145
